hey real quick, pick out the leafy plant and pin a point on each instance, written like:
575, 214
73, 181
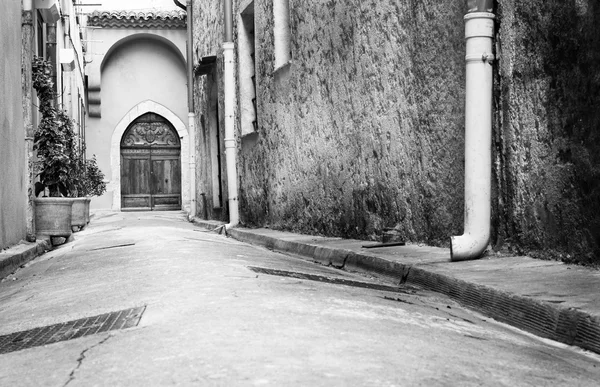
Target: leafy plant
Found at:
89, 178
54, 139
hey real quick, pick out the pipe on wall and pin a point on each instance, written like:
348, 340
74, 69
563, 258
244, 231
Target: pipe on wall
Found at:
191, 110
229, 102
230, 143
479, 32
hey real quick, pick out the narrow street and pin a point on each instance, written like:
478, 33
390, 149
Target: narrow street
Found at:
218, 312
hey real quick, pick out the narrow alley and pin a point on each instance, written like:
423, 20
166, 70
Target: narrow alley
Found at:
218, 312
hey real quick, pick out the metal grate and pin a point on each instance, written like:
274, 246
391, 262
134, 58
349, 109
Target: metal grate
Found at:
69, 330
320, 278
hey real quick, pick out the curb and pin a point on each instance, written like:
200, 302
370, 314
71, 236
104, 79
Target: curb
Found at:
18, 255
566, 325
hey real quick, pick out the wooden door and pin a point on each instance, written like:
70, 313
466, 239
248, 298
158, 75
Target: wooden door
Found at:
150, 165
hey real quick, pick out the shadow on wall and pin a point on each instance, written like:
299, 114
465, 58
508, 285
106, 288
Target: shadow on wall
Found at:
550, 152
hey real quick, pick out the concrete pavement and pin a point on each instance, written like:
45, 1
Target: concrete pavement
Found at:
211, 319
547, 298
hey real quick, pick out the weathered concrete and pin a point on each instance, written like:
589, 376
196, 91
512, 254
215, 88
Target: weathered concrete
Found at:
13, 182
21, 254
549, 299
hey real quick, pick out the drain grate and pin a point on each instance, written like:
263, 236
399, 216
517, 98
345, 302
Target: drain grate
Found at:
321, 278
70, 330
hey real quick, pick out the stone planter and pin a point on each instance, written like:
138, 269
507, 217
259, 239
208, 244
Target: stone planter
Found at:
80, 214
87, 210
53, 217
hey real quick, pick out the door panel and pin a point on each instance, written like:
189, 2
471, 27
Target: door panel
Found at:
150, 165
135, 179
166, 180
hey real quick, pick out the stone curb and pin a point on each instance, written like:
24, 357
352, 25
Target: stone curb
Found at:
566, 325
20, 254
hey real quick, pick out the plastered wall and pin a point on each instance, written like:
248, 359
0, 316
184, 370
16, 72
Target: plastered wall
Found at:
138, 70
13, 190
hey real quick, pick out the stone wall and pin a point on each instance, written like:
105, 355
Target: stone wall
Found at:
363, 130
547, 129
13, 187
208, 102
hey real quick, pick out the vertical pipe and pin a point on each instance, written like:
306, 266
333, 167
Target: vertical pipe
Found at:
479, 31
51, 56
192, 112
281, 32
227, 21
26, 77
229, 99
230, 143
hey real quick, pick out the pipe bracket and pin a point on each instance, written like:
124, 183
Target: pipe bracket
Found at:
485, 57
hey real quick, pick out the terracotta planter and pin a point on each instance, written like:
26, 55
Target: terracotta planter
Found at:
53, 216
80, 214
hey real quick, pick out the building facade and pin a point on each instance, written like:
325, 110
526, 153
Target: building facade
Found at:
137, 126
53, 30
13, 189
350, 119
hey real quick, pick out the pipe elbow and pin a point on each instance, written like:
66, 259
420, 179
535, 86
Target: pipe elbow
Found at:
468, 246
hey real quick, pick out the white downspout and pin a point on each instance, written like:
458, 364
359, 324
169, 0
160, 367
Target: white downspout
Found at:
191, 113
479, 31
229, 99
230, 144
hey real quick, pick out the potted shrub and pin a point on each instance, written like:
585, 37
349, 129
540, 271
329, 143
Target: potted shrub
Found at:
53, 143
89, 181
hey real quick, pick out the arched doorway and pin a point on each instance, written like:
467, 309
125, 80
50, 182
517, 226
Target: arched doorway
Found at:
150, 165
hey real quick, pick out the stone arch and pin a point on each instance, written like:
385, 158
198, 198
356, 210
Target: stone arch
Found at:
115, 149
95, 68
142, 35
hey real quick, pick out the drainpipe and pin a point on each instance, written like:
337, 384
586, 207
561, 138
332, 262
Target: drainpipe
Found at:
479, 31
26, 78
191, 110
229, 98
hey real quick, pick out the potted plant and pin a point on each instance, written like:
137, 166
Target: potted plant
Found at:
89, 181
54, 145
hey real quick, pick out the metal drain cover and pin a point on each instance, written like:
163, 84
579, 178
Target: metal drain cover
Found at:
69, 330
321, 278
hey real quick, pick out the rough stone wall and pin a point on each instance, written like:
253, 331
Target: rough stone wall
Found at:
364, 130
208, 40
548, 128
13, 188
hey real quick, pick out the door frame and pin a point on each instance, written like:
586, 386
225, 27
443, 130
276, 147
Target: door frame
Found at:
115, 150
